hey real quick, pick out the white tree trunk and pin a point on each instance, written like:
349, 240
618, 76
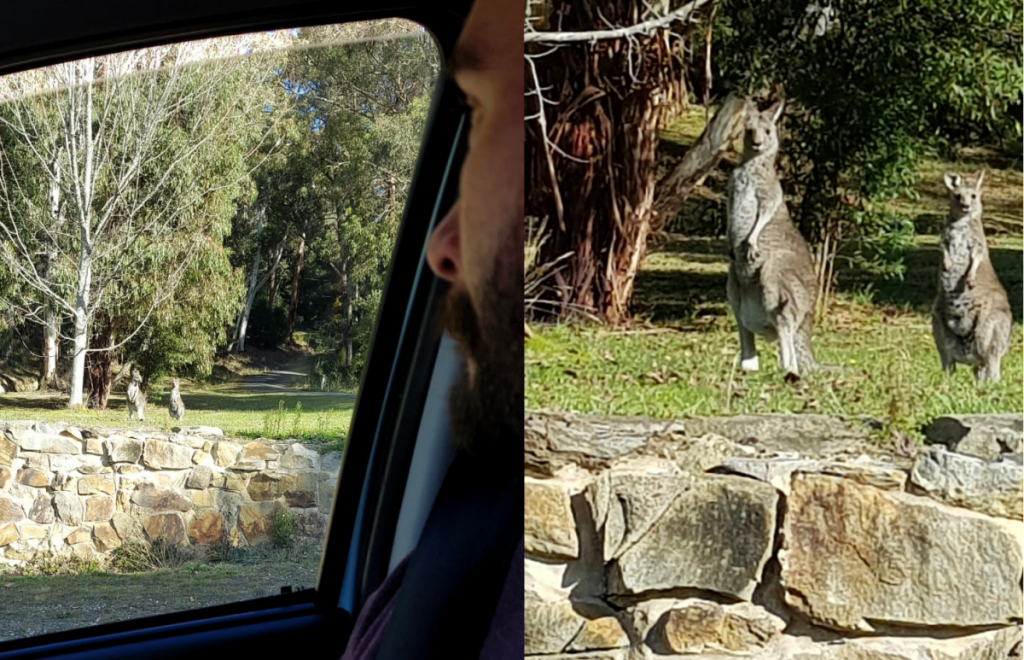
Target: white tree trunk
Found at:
51, 349
254, 283
50, 345
83, 289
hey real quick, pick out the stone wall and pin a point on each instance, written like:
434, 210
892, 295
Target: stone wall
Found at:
771, 538
86, 491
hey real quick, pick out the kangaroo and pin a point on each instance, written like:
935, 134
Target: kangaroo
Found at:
971, 318
177, 407
136, 398
772, 287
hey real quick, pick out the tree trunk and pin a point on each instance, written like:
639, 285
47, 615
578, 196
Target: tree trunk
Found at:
296, 275
243, 320
84, 284
348, 317
48, 373
81, 337
272, 282
100, 373
604, 101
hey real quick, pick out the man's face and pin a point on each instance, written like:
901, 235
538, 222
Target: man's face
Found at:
478, 246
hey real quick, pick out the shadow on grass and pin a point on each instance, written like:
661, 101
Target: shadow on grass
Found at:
194, 402
673, 294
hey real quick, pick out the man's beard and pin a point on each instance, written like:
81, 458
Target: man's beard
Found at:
486, 407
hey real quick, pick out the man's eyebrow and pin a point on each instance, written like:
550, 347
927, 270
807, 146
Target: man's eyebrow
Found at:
464, 58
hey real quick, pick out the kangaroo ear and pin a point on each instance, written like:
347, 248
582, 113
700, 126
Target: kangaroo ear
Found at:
981, 177
776, 110
952, 180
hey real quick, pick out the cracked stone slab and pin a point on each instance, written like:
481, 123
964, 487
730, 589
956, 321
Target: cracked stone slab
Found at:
853, 554
716, 533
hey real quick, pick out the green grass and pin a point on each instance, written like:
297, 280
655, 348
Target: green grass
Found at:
36, 604
306, 417
679, 361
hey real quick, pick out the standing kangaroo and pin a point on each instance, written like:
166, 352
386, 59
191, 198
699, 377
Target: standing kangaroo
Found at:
772, 287
971, 318
136, 398
177, 407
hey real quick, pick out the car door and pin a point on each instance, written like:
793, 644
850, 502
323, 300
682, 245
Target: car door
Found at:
397, 449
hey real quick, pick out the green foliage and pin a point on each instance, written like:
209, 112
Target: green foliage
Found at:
283, 525
886, 84
880, 240
63, 565
269, 328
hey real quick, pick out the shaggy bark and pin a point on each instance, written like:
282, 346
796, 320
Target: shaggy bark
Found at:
592, 148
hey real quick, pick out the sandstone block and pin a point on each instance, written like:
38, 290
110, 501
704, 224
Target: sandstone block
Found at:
47, 443
41, 510
80, 535
100, 507
254, 520
160, 499
695, 626
554, 623
225, 453
10, 511
159, 455
8, 534
672, 531
105, 537
206, 527
69, 508
8, 451
854, 555
199, 478
124, 450
168, 526
995, 488
95, 484
549, 524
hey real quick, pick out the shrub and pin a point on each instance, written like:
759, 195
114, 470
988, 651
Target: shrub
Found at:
137, 557
283, 525
51, 565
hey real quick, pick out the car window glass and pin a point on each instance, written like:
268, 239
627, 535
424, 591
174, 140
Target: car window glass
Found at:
193, 245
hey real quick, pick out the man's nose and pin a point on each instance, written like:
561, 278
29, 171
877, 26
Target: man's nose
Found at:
444, 251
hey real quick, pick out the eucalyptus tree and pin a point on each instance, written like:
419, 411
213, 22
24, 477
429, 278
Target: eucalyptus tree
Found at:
145, 152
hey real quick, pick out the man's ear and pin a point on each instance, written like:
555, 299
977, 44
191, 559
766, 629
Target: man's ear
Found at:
952, 180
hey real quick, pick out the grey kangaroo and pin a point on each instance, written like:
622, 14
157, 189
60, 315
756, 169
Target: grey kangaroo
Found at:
772, 287
177, 406
971, 318
136, 398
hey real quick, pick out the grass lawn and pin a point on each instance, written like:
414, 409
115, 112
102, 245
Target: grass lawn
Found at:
308, 417
35, 604
678, 359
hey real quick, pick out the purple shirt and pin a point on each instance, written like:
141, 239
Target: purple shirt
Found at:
504, 639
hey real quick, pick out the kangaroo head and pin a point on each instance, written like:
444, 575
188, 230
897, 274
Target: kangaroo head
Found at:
175, 381
760, 130
964, 197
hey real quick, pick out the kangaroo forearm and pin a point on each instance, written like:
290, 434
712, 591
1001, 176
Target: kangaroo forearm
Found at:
764, 214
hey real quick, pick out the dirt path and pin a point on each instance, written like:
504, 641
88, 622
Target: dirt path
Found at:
284, 380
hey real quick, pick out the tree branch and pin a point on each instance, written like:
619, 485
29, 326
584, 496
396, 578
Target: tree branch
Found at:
682, 14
